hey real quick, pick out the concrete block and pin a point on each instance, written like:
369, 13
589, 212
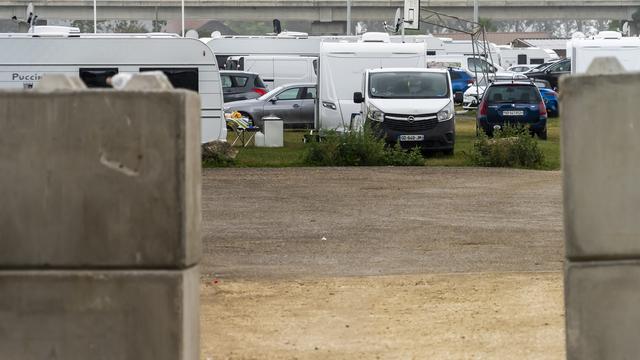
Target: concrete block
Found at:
601, 166
96, 179
152, 80
606, 65
99, 315
58, 82
603, 321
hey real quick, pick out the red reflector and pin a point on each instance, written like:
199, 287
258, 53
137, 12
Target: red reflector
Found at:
260, 91
484, 108
542, 108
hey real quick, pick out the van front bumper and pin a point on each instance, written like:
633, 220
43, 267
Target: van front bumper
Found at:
439, 137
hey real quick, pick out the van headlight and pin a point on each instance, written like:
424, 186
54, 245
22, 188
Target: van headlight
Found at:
446, 113
373, 113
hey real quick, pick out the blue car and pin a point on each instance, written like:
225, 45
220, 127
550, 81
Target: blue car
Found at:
515, 103
549, 96
461, 79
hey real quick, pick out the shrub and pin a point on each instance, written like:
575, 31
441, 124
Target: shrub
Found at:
511, 146
218, 154
358, 148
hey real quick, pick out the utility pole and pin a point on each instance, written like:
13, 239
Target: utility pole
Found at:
348, 17
476, 17
95, 17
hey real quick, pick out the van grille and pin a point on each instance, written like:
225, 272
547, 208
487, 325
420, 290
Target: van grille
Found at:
401, 123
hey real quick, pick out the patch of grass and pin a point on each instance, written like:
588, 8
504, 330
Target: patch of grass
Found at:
291, 154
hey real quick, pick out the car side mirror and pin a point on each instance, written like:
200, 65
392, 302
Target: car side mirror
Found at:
273, 100
358, 98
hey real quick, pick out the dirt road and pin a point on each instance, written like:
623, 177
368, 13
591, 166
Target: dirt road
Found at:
390, 263
444, 316
291, 223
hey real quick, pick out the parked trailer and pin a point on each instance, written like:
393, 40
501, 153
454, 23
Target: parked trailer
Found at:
188, 64
277, 71
341, 69
607, 44
510, 56
227, 46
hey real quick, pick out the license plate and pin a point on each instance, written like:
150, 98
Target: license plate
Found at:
513, 113
411, 137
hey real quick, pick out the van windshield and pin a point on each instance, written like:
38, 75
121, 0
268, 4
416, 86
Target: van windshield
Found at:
408, 85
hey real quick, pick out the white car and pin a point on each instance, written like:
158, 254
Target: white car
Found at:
474, 93
521, 68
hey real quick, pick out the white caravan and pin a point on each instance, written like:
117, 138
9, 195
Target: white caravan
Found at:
341, 70
188, 63
510, 56
226, 46
277, 71
606, 44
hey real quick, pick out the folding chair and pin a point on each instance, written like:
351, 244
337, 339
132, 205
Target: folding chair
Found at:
241, 127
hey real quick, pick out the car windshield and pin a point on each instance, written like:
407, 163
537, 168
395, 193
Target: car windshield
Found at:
270, 93
408, 85
513, 94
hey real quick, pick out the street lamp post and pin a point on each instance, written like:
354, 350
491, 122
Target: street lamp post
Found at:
348, 17
475, 11
95, 17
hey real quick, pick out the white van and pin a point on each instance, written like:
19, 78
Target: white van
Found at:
510, 56
409, 106
606, 44
341, 69
188, 63
277, 71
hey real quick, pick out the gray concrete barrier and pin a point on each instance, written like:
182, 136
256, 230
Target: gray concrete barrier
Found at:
99, 223
99, 179
601, 166
92, 314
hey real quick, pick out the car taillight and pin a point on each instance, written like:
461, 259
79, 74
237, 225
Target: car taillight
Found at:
470, 81
484, 108
260, 91
542, 108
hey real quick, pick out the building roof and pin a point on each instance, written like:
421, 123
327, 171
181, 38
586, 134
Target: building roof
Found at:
498, 38
554, 44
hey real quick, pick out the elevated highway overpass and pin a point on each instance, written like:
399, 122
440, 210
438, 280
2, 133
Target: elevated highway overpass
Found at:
324, 11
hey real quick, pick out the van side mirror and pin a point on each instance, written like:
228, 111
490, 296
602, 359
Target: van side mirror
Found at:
358, 98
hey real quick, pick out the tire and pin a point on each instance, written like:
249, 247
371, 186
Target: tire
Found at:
542, 134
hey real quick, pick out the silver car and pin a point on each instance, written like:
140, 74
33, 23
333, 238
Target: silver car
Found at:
293, 103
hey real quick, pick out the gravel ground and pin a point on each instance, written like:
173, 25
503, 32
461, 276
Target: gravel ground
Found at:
325, 222
389, 263
443, 316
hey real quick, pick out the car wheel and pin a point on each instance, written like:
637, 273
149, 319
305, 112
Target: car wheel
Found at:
542, 134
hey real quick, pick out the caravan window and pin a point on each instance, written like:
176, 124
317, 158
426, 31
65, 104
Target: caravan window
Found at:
522, 59
97, 77
180, 78
536, 61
